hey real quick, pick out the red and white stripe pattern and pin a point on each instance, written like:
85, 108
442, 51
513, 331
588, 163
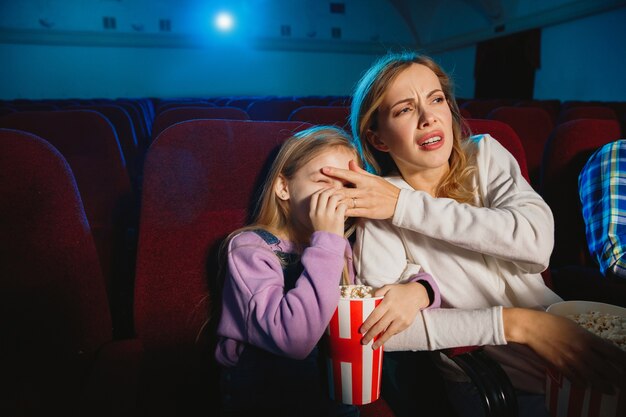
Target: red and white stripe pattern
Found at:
565, 400
354, 369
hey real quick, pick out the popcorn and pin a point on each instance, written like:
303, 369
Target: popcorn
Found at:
608, 326
356, 291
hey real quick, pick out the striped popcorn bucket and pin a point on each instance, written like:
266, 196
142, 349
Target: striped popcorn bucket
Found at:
566, 400
354, 369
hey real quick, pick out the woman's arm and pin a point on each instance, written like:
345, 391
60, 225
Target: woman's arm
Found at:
381, 261
290, 323
581, 356
515, 223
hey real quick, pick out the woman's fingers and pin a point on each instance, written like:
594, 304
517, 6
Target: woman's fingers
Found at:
386, 335
347, 175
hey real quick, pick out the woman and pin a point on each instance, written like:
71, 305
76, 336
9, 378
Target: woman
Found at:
459, 208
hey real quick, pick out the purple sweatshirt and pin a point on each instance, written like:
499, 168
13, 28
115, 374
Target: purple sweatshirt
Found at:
255, 309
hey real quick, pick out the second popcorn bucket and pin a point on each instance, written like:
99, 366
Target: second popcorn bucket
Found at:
354, 369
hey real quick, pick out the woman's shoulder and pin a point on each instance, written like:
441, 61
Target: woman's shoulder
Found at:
484, 141
485, 145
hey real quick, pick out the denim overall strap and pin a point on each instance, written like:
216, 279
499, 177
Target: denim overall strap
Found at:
292, 267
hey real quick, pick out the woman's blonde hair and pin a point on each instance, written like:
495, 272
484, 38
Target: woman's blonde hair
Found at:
368, 96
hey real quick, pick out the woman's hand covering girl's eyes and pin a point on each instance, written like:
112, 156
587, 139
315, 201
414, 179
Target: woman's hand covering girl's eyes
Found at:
371, 197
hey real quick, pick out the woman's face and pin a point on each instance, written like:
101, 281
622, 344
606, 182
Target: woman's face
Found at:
415, 124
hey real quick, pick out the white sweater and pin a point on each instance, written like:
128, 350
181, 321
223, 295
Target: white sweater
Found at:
482, 257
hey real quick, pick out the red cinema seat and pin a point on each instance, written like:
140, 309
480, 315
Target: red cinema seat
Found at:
57, 355
141, 121
6, 110
465, 113
553, 107
341, 101
170, 117
322, 115
274, 109
479, 108
174, 104
587, 112
89, 143
504, 134
123, 124
315, 100
199, 181
569, 147
533, 126
241, 102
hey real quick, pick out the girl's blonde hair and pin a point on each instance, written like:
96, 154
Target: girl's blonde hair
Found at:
272, 213
368, 96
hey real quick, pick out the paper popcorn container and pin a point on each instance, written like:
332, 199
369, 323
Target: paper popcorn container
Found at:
565, 400
354, 370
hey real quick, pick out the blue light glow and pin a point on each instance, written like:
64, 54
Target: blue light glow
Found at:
224, 21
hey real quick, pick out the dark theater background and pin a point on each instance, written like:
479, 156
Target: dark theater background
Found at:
134, 133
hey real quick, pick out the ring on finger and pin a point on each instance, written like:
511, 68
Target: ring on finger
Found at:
353, 202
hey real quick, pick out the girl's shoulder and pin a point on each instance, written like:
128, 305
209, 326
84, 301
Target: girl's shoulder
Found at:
256, 237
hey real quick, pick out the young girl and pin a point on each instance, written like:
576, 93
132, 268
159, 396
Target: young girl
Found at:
281, 284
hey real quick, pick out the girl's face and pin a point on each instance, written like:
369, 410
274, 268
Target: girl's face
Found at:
309, 179
415, 125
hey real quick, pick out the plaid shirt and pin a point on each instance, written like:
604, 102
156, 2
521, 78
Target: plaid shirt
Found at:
602, 189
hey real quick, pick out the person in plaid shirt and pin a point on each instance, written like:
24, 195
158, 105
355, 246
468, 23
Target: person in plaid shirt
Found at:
602, 189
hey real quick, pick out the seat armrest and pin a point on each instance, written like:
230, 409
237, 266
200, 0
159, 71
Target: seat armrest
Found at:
494, 386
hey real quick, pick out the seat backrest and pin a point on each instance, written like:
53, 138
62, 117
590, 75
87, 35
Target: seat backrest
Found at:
553, 107
465, 113
53, 299
199, 178
172, 116
342, 101
322, 115
138, 116
533, 126
199, 181
504, 134
315, 100
89, 143
123, 124
587, 112
241, 102
480, 108
569, 147
6, 110
273, 109
174, 104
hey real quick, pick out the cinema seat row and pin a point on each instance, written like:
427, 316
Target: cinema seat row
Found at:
52, 277
130, 329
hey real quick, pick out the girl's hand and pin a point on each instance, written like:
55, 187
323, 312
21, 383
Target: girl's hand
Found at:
582, 357
372, 196
327, 211
396, 311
